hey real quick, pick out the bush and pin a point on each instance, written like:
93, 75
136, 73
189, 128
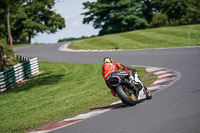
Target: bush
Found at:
7, 57
74, 38
159, 20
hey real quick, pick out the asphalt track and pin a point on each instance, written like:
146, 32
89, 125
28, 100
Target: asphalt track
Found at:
173, 110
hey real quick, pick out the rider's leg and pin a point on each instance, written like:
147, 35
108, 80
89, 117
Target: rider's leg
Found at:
111, 89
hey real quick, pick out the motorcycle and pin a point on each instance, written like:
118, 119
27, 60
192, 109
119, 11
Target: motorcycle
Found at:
128, 91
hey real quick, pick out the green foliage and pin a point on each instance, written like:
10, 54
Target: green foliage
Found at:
27, 44
182, 12
2, 23
2, 19
150, 8
7, 58
159, 20
125, 15
28, 18
75, 38
178, 12
34, 17
192, 11
114, 16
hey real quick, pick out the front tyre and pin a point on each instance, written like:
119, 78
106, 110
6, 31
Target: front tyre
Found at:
148, 94
125, 96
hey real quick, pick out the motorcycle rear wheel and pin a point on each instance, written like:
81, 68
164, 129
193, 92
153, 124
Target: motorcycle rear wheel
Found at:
125, 97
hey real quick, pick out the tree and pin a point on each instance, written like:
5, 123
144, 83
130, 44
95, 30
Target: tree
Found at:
2, 20
5, 7
114, 16
26, 18
150, 8
8, 24
36, 16
171, 12
181, 12
175, 10
192, 15
159, 20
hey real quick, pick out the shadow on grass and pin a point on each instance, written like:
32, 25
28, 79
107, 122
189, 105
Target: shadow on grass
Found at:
40, 80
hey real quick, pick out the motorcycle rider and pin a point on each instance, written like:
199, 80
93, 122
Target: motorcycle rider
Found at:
110, 68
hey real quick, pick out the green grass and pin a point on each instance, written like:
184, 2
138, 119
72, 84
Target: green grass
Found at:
63, 90
23, 45
177, 36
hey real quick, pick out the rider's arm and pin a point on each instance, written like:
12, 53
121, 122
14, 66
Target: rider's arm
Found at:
125, 68
121, 67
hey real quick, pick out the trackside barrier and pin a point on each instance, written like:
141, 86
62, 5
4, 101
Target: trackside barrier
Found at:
22, 58
17, 73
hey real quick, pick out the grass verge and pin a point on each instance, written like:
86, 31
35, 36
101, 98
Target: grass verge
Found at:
63, 90
177, 36
23, 45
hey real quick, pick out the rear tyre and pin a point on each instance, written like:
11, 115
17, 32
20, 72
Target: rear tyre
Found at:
123, 94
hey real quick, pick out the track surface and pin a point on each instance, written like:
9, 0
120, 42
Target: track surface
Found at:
175, 109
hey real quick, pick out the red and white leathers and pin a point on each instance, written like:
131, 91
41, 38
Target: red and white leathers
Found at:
109, 68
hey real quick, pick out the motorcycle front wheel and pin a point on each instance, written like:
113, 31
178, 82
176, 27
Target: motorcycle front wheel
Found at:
123, 93
148, 94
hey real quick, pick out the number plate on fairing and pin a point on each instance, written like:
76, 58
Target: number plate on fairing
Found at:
142, 95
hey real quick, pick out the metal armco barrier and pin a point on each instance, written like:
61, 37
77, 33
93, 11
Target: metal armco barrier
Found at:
17, 73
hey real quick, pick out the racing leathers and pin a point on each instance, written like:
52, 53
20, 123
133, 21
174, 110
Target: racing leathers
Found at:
110, 68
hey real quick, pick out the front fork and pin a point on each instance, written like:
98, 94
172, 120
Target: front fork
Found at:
137, 79
135, 87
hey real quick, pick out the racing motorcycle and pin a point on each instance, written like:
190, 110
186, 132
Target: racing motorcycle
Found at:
129, 91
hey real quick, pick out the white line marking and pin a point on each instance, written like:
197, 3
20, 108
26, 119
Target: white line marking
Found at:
163, 80
168, 74
160, 72
87, 115
154, 87
151, 69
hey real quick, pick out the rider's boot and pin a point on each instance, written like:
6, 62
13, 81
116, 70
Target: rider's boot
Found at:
113, 93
